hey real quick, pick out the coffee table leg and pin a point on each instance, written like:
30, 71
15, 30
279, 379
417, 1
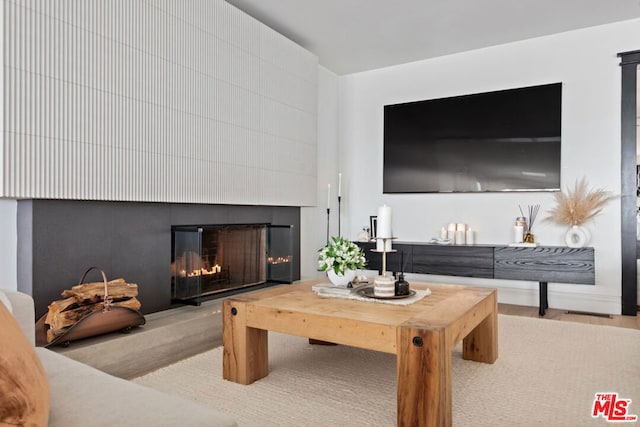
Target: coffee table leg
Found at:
481, 344
245, 357
424, 378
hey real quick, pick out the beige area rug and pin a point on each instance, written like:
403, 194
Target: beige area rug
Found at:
547, 374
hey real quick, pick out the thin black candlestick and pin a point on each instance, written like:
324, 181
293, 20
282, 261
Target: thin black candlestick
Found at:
339, 200
328, 211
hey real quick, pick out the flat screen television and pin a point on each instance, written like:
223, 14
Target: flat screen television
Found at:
507, 140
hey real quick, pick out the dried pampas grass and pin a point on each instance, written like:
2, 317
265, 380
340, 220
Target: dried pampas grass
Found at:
580, 205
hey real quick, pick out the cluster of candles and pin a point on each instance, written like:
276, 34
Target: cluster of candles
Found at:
279, 260
201, 272
459, 234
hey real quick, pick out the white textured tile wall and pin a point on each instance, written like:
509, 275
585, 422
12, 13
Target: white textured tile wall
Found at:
155, 100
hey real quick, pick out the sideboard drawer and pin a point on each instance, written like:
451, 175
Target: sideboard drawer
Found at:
468, 261
546, 264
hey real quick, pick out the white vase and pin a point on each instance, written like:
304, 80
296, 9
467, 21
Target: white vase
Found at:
341, 279
577, 237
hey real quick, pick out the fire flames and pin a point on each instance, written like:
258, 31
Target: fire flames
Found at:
201, 272
279, 260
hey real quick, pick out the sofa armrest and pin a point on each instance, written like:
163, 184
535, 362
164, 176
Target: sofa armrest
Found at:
24, 312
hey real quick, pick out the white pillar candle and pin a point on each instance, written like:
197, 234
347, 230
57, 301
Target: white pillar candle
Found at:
384, 221
518, 231
328, 196
451, 231
461, 227
460, 237
443, 233
471, 237
384, 245
339, 185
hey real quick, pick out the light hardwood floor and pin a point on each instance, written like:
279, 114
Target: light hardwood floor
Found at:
172, 335
632, 322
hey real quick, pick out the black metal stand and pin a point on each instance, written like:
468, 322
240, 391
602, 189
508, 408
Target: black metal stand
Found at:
328, 211
339, 200
544, 303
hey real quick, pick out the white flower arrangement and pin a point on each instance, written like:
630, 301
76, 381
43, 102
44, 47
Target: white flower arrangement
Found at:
340, 255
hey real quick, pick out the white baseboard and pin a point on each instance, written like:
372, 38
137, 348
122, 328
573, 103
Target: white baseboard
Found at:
592, 303
526, 293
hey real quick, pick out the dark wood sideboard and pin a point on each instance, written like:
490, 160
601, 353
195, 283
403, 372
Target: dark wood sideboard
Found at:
542, 264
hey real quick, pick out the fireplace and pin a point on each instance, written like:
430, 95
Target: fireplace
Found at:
209, 260
59, 239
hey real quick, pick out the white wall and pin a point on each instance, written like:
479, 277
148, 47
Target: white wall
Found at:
313, 220
8, 208
585, 62
8, 244
171, 101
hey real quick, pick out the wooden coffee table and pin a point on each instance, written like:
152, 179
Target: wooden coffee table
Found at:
421, 335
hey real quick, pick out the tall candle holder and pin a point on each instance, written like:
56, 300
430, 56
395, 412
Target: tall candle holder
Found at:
328, 216
382, 285
339, 200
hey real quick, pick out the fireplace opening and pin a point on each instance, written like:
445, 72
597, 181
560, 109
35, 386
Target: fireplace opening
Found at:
214, 260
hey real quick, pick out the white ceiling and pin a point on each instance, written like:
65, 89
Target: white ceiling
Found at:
356, 35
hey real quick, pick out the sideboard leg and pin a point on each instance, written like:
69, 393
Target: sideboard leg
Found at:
544, 303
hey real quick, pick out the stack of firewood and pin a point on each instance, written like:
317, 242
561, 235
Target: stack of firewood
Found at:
82, 300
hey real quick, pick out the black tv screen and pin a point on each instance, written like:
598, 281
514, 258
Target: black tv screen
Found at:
507, 140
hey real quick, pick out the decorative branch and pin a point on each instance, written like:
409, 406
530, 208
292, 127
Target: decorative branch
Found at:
579, 205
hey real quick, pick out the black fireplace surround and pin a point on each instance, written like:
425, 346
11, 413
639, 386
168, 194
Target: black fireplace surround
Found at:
59, 239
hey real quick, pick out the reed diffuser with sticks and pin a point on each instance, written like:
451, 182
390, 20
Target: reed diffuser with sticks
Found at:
532, 211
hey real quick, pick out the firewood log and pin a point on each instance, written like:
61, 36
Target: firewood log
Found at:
51, 335
90, 293
62, 320
58, 306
